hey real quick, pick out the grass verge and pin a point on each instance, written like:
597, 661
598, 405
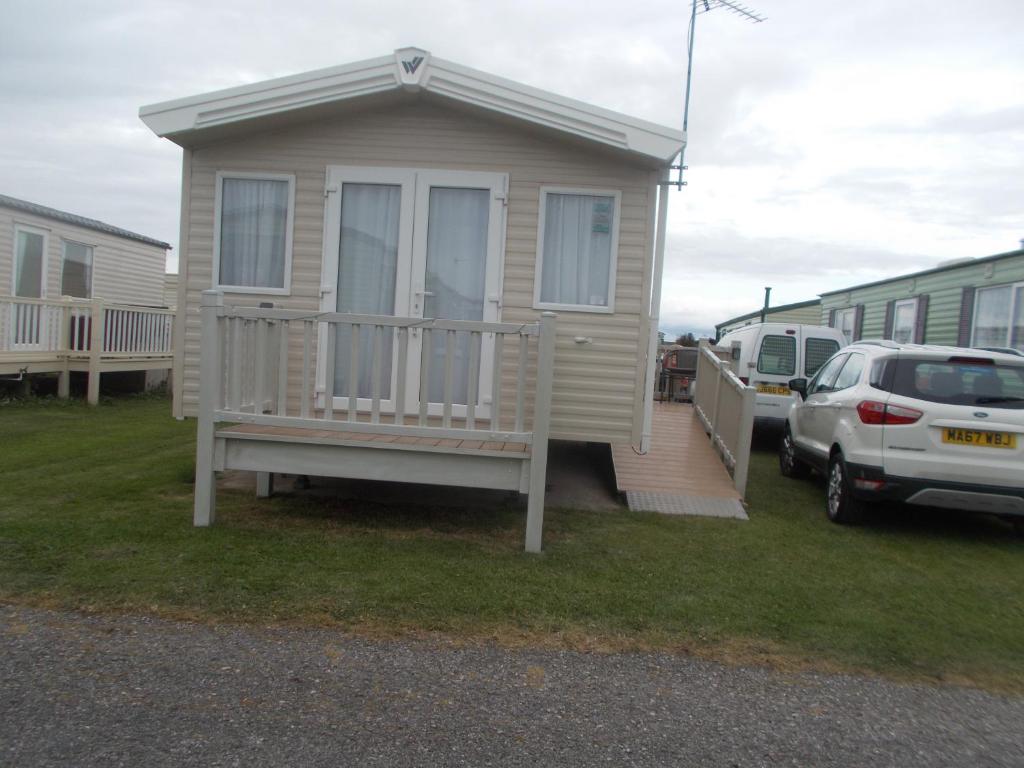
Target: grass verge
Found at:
95, 514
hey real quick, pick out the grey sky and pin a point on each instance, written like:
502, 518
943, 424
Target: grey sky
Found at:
838, 142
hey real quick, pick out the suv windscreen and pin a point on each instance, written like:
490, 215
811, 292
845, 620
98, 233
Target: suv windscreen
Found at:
960, 382
816, 352
777, 355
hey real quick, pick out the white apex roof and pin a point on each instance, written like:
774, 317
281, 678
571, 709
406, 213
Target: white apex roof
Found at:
410, 69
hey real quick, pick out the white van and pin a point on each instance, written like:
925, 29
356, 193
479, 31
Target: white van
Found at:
768, 355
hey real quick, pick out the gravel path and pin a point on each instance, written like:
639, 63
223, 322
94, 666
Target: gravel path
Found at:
133, 691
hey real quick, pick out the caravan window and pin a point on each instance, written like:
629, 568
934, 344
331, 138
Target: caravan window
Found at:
577, 242
76, 272
253, 236
904, 318
777, 355
999, 317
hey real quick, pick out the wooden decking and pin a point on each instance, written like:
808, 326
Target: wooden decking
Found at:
401, 442
681, 473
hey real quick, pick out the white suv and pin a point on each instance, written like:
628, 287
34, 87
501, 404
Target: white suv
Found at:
929, 425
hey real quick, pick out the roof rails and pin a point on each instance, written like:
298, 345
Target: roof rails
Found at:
887, 343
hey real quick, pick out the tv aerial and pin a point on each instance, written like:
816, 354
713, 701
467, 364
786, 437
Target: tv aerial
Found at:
701, 7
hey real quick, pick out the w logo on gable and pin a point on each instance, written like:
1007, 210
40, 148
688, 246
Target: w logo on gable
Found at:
410, 67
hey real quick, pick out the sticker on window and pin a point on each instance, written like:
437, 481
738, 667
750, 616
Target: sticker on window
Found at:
601, 222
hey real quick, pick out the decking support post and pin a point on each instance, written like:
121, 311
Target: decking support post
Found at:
97, 317
64, 376
64, 383
541, 426
209, 388
264, 485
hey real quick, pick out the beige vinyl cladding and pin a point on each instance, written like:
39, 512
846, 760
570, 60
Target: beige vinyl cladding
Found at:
124, 270
597, 386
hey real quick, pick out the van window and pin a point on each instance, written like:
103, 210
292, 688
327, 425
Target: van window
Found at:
777, 355
816, 352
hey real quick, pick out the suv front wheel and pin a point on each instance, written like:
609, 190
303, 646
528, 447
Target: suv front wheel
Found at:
840, 505
789, 464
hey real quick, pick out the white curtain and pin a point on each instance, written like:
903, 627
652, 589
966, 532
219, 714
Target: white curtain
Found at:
905, 317
367, 264
29, 275
577, 249
1017, 332
253, 226
456, 266
992, 317
76, 275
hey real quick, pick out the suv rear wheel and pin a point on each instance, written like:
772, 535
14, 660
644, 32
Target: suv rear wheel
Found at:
789, 464
840, 505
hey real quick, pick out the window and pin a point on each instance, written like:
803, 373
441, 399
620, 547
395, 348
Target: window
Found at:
904, 320
850, 374
845, 321
76, 272
253, 232
577, 244
999, 317
826, 375
960, 382
29, 262
777, 355
816, 352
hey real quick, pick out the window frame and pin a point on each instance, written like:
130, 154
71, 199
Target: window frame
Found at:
44, 271
92, 265
1011, 311
840, 313
538, 277
915, 304
286, 289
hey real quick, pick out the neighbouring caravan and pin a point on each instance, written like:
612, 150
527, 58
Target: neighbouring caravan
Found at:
442, 266
768, 355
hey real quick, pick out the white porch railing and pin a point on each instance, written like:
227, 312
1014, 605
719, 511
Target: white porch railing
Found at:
725, 407
250, 373
77, 329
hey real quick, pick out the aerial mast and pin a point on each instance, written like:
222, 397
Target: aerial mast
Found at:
705, 7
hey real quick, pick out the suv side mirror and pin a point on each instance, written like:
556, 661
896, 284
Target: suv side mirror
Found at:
799, 385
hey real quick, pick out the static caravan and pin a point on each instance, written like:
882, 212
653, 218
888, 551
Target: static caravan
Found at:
404, 267
962, 303
65, 278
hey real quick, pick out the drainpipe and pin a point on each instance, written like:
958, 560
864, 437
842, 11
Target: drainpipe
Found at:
652, 342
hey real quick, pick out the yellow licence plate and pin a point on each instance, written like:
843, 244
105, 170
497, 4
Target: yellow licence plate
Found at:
979, 438
772, 389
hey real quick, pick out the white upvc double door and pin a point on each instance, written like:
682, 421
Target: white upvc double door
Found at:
413, 243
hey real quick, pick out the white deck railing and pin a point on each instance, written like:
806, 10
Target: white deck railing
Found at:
725, 407
56, 334
70, 327
277, 368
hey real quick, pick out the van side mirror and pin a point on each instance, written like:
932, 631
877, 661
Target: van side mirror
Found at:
799, 385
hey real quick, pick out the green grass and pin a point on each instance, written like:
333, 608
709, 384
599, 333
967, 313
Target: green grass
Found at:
95, 514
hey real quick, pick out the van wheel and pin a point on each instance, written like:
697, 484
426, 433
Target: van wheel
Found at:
840, 505
789, 464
